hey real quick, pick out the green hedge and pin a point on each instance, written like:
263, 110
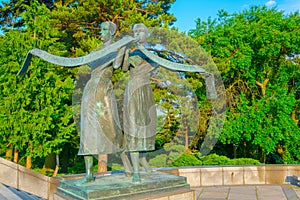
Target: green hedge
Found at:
185, 159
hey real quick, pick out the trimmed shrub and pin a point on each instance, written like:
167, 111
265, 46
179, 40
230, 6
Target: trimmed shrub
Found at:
244, 161
215, 159
159, 161
186, 160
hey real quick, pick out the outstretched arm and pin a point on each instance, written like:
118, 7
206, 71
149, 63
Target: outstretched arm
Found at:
209, 78
172, 65
73, 62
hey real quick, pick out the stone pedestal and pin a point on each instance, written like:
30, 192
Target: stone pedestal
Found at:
155, 186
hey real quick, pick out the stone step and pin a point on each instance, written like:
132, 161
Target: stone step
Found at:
7, 194
10, 193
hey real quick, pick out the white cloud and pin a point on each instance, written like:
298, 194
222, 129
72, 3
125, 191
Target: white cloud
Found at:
271, 3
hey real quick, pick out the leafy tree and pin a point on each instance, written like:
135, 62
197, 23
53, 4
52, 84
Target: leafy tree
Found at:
36, 109
80, 20
256, 51
37, 116
10, 12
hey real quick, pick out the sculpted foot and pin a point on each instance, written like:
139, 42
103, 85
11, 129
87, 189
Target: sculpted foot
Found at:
127, 166
146, 165
136, 178
128, 174
85, 180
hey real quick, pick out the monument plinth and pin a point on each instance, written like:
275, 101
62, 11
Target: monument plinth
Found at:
118, 186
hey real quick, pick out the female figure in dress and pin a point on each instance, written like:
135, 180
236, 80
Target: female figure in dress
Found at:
100, 131
139, 117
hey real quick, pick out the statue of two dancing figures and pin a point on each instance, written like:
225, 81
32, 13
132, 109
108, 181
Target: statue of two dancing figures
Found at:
101, 131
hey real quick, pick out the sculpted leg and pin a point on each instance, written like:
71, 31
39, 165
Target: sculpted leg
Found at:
144, 163
89, 171
89, 167
135, 164
126, 163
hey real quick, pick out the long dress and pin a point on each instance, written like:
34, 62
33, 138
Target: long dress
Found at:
100, 130
139, 116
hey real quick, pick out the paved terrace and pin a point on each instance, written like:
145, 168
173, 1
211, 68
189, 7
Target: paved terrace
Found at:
254, 192
274, 182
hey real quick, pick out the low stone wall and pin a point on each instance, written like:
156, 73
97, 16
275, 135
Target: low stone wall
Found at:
30, 181
27, 180
24, 179
236, 175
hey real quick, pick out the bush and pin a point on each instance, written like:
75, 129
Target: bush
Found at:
215, 159
173, 156
187, 160
172, 147
159, 161
114, 167
243, 161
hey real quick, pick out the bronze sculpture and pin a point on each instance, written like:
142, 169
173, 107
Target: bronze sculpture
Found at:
98, 103
139, 107
100, 130
139, 117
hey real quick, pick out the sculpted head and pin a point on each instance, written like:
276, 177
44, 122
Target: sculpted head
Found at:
140, 32
108, 30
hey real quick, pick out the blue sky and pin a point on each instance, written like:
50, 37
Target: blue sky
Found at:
188, 11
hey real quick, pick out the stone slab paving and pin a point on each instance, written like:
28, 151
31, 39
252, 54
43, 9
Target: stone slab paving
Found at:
270, 192
251, 192
212, 193
297, 191
6, 194
248, 193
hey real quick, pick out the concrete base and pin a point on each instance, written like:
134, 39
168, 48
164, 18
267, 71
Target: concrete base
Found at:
156, 185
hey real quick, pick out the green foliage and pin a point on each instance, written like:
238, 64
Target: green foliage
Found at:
113, 167
214, 159
187, 160
256, 52
244, 161
176, 148
159, 161
80, 20
36, 115
36, 110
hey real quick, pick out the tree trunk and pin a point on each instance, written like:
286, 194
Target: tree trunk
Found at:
186, 132
65, 158
263, 86
259, 153
57, 165
186, 139
234, 151
245, 150
102, 162
34, 33
29, 158
262, 155
16, 156
9, 154
294, 116
28, 162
